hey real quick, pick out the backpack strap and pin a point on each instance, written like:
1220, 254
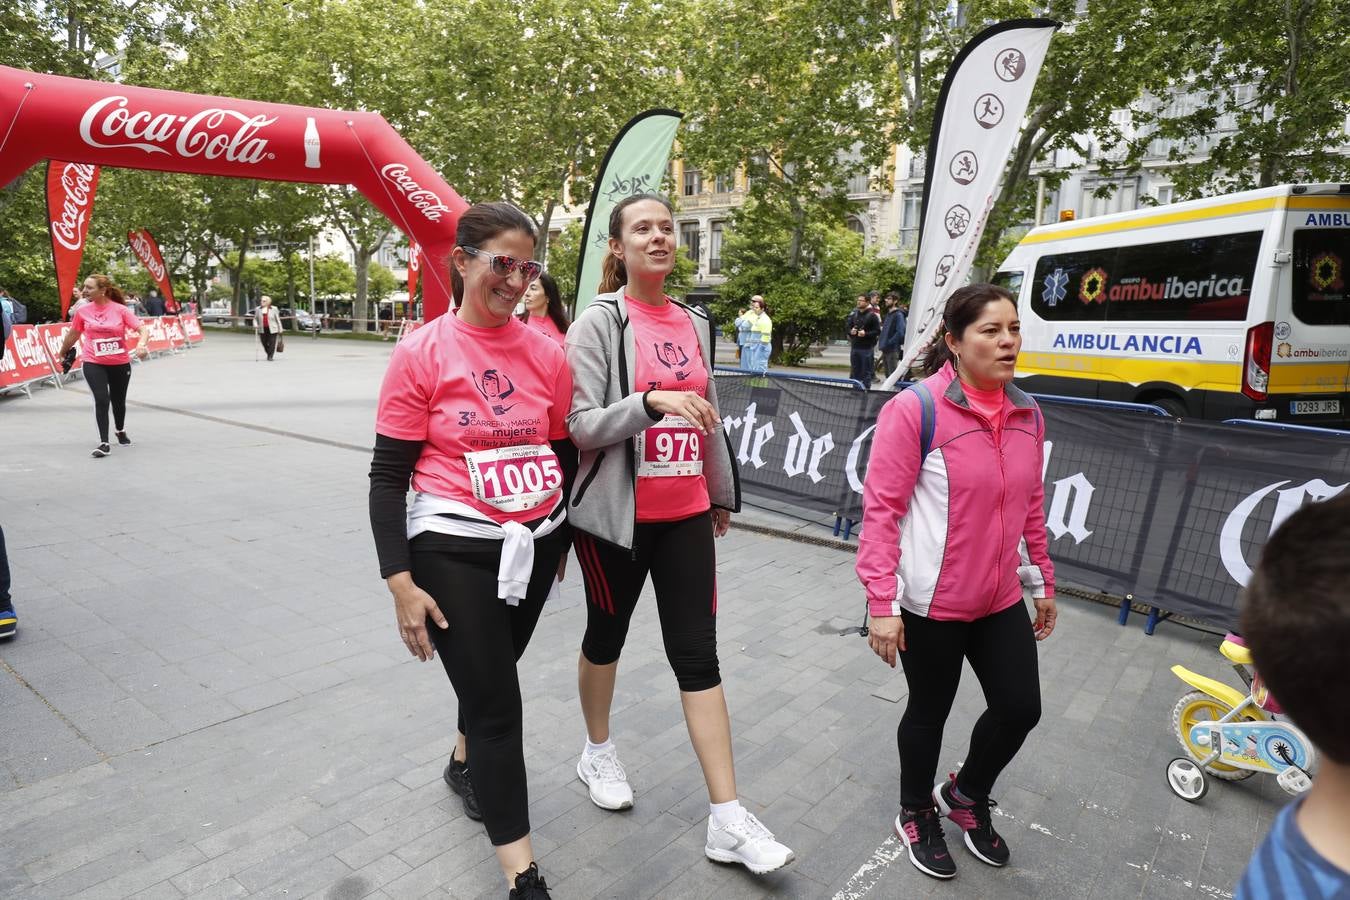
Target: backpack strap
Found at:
928, 419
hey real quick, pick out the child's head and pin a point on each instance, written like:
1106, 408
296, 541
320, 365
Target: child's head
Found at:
1296, 620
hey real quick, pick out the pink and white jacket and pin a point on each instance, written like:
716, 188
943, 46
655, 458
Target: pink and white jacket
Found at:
956, 535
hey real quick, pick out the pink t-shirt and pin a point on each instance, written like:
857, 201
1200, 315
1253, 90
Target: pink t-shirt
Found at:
548, 327
988, 404
670, 482
103, 328
485, 402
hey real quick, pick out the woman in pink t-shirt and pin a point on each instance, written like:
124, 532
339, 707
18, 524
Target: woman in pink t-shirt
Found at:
473, 410
101, 326
544, 308
659, 483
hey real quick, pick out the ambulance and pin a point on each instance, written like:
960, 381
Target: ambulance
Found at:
1229, 307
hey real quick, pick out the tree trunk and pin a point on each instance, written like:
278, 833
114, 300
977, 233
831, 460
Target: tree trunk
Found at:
237, 274
361, 308
798, 227
541, 247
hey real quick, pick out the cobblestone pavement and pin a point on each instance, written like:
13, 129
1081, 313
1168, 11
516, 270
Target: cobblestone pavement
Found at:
207, 697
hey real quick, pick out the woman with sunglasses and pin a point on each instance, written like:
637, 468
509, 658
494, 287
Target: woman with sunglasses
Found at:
473, 409
544, 308
656, 482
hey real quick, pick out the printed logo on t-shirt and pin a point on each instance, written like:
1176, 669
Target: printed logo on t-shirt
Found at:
675, 359
495, 386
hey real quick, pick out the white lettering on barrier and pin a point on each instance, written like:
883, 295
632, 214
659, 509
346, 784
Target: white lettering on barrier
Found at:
1071, 498
1230, 537
748, 452
804, 453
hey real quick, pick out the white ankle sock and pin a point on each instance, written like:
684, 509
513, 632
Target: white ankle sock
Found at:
598, 748
724, 814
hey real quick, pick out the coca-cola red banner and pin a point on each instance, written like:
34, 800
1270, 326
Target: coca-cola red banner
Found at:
147, 251
51, 336
192, 329
110, 124
414, 264
156, 341
173, 330
70, 204
25, 358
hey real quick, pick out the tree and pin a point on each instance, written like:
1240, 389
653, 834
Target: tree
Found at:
1276, 82
801, 93
380, 283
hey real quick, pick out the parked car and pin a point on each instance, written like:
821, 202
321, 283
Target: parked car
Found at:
299, 320
219, 315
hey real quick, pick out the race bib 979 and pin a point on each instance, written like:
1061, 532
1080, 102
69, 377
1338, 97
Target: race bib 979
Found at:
671, 448
515, 479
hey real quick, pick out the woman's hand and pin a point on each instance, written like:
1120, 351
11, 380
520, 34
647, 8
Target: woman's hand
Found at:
412, 607
687, 404
886, 635
142, 353
1045, 617
721, 521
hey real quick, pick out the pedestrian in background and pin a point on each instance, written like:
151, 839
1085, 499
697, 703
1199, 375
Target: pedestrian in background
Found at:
761, 336
864, 327
963, 497
267, 325
544, 309
892, 334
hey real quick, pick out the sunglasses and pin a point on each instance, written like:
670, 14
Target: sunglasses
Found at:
503, 266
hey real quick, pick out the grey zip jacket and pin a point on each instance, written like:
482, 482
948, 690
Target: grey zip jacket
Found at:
607, 414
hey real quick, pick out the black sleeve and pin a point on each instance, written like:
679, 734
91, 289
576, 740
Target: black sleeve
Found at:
873, 326
391, 469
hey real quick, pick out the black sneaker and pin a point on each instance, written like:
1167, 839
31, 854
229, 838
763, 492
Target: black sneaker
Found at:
974, 820
101, 451
457, 776
123, 439
530, 885
921, 830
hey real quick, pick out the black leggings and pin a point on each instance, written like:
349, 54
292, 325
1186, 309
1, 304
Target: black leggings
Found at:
479, 651
1002, 651
683, 565
108, 383
269, 342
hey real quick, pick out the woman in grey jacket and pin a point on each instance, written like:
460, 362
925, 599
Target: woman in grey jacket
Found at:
656, 482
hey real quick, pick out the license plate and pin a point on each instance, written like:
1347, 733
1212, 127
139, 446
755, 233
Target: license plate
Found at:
1314, 407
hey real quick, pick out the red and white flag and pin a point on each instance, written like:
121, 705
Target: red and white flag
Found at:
147, 251
414, 269
70, 203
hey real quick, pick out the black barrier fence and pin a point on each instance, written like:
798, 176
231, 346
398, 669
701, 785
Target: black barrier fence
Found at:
1171, 512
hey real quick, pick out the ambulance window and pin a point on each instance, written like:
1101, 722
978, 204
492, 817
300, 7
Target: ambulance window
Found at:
1010, 280
1202, 279
1065, 286
1321, 295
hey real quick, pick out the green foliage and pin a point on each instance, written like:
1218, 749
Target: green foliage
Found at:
562, 262
380, 282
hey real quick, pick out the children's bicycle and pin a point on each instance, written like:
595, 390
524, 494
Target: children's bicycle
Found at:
1232, 737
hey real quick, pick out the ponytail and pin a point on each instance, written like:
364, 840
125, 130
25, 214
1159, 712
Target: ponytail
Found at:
938, 353
613, 274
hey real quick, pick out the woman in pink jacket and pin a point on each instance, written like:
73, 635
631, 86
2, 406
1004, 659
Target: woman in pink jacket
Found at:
953, 533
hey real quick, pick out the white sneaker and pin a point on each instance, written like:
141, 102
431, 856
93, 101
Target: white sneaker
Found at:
603, 774
749, 843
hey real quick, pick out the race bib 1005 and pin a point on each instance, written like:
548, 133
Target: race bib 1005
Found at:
669, 449
515, 479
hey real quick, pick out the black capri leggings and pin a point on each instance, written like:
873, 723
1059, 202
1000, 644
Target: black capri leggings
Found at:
1002, 652
479, 651
683, 565
108, 384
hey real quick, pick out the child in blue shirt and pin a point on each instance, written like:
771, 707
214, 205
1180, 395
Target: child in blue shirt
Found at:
1296, 620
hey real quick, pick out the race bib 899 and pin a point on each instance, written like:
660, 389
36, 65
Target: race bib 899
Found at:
515, 479
109, 346
669, 449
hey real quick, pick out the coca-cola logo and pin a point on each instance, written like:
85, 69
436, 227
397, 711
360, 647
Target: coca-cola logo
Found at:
206, 133
428, 203
28, 351
414, 257
146, 255
77, 183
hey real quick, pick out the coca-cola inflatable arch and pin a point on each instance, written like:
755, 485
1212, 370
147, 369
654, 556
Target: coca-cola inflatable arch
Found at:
54, 117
